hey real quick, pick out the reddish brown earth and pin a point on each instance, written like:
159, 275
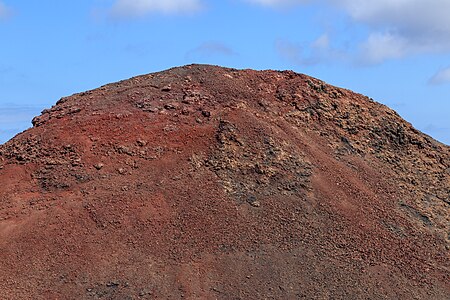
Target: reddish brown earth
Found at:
203, 182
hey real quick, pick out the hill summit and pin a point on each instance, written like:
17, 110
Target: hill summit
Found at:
203, 182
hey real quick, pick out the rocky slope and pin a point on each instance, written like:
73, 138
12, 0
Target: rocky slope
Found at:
202, 182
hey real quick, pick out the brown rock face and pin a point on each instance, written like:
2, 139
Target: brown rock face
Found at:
203, 182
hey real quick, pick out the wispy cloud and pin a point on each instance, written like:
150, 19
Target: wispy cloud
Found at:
208, 49
12, 113
291, 52
381, 46
277, 3
5, 69
15, 118
441, 77
399, 28
407, 16
438, 131
307, 54
434, 128
5, 11
140, 8
140, 49
396, 28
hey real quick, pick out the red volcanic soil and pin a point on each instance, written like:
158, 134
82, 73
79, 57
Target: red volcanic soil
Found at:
202, 182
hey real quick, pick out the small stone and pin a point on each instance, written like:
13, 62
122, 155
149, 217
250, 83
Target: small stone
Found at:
144, 292
188, 100
112, 284
121, 171
151, 109
206, 114
125, 149
170, 106
255, 203
166, 88
141, 143
76, 162
98, 166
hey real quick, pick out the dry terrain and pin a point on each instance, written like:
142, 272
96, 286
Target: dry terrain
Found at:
202, 182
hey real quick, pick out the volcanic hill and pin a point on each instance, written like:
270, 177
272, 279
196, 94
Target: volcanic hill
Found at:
202, 182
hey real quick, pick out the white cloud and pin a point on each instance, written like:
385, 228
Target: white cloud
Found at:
408, 16
441, 77
382, 46
5, 11
277, 2
139, 8
396, 28
210, 49
401, 27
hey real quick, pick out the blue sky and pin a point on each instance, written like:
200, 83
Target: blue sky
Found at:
395, 51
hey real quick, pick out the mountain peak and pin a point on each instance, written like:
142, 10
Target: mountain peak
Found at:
210, 182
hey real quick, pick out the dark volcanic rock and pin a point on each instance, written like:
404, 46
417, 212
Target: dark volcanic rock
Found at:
211, 183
